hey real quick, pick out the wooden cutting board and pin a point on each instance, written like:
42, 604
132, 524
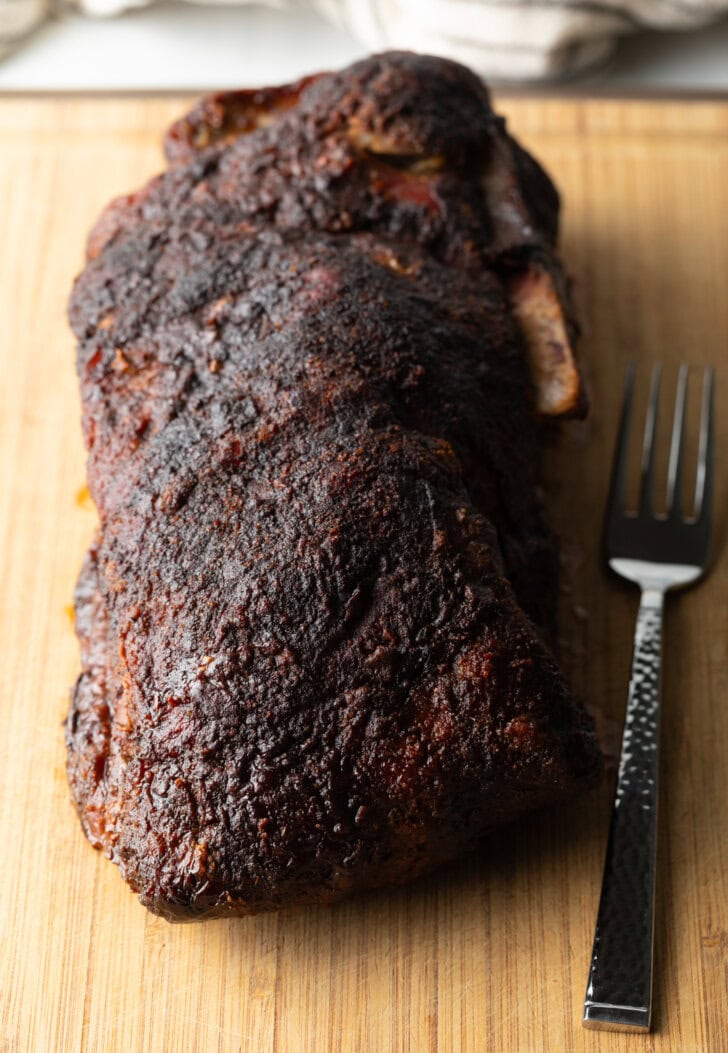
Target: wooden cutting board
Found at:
491, 955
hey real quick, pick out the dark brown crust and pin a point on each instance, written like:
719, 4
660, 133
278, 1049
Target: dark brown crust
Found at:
219, 119
306, 666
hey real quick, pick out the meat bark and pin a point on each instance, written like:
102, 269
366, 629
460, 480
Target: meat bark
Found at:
315, 622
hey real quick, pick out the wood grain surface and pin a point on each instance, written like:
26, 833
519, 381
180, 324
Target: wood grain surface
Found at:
491, 955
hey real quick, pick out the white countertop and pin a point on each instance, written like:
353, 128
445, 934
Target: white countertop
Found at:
193, 48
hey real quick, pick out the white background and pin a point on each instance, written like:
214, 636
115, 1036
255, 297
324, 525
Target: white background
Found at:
183, 47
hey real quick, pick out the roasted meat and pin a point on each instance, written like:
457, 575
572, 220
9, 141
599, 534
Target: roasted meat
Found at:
316, 620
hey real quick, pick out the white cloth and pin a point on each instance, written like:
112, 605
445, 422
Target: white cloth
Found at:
503, 39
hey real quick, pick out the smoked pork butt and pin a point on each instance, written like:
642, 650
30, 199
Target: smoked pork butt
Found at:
316, 621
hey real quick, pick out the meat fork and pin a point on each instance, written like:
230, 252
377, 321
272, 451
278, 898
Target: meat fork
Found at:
657, 552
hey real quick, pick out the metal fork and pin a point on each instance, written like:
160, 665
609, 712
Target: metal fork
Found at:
658, 552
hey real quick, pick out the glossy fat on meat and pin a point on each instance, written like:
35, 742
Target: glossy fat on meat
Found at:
315, 622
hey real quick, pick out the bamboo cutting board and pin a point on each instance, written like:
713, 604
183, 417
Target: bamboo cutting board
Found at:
491, 955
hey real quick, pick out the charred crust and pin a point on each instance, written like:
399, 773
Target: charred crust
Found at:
315, 623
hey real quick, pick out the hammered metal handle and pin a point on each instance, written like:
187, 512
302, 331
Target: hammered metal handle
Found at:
619, 991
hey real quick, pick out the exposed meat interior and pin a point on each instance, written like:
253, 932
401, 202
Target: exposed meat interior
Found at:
538, 310
518, 198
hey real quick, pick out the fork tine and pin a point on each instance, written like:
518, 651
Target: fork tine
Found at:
704, 478
621, 451
646, 499
675, 466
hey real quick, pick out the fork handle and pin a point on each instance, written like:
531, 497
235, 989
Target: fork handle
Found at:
619, 991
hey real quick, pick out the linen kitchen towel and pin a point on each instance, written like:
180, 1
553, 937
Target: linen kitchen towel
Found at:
501, 39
